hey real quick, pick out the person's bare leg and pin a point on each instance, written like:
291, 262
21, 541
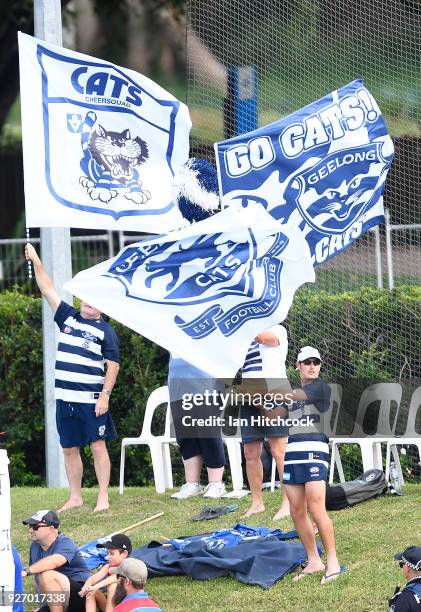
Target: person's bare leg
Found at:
254, 467
192, 468
277, 447
298, 504
56, 583
316, 502
102, 470
215, 474
74, 471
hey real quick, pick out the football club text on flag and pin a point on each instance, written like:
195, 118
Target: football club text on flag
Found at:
206, 290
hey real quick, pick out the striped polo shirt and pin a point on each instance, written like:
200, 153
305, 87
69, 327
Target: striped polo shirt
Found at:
268, 362
83, 347
309, 444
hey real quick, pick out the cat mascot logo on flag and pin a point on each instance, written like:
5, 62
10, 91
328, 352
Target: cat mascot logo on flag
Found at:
336, 192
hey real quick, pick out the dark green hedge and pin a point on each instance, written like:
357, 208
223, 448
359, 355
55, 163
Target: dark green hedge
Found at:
369, 333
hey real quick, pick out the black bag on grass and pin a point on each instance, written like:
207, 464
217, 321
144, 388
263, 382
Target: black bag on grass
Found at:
371, 484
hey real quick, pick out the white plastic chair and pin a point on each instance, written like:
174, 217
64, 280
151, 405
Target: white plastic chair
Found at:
370, 446
411, 436
233, 444
158, 445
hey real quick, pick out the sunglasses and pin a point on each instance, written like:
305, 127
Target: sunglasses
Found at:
36, 527
314, 361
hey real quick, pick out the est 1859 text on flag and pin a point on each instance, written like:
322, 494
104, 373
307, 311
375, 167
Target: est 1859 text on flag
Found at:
322, 168
101, 143
204, 292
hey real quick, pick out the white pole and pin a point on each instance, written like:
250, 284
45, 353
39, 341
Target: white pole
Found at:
378, 257
7, 565
389, 249
56, 257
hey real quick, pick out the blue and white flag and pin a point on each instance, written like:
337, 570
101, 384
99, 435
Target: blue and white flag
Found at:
101, 143
322, 168
205, 291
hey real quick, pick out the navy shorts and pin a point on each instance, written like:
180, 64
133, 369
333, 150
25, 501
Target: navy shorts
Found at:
256, 430
77, 424
211, 449
300, 473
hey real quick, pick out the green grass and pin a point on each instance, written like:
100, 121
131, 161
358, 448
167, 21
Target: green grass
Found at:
367, 536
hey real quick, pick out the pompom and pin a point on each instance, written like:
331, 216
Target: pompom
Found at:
196, 190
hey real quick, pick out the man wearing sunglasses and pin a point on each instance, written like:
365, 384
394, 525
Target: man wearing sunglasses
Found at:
306, 465
56, 564
409, 599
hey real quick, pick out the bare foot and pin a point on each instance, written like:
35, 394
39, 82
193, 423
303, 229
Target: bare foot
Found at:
71, 503
309, 569
102, 504
254, 509
282, 513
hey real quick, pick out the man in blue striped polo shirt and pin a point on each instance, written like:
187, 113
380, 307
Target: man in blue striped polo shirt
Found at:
306, 464
87, 365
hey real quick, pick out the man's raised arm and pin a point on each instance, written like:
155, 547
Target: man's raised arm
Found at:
44, 282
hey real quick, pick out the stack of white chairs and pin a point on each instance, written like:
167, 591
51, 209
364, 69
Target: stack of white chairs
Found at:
410, 436
370, 445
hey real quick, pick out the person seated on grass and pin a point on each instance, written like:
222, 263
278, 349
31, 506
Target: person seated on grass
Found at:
129, 594
55, 562
409, 599
119, 548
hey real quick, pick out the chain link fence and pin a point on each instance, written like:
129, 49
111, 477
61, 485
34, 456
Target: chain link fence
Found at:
302, 50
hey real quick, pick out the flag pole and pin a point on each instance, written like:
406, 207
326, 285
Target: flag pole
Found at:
56, 257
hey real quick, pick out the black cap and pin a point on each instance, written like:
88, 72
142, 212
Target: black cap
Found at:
118, 540
411, 556
43, 516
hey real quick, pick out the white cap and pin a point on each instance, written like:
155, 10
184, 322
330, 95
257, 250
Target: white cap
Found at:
307, 352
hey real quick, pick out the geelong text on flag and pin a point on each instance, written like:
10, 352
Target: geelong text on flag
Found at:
205, 291
322, 168
101, 143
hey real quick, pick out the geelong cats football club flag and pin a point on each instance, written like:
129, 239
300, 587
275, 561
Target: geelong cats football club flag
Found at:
101, 143
323, 168
206, 290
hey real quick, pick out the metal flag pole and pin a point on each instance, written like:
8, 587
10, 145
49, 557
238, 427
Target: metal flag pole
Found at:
56, 257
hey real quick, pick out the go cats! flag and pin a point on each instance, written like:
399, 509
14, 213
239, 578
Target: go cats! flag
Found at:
101, 143
205, 291
322, 168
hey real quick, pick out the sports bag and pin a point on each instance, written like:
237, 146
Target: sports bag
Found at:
370, 484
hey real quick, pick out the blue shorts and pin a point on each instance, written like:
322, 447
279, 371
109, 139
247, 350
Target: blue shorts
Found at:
255, 432
77, 424
300, 473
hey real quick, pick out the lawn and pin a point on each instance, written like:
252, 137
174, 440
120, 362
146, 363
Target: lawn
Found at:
367, 537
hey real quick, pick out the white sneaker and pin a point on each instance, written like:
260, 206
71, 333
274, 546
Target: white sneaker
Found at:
214, 490
189, 489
